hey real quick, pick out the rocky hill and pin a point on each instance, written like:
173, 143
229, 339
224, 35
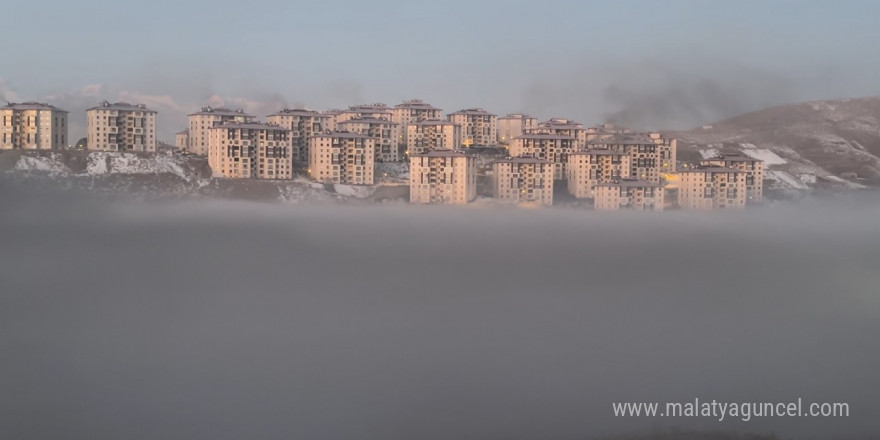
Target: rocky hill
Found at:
822, 144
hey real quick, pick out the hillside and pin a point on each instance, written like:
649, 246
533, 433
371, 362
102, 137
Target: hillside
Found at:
822, 144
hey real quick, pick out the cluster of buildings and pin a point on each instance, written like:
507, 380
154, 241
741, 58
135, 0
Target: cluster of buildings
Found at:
611, 167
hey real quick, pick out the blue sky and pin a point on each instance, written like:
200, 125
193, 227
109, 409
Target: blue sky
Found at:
581, 59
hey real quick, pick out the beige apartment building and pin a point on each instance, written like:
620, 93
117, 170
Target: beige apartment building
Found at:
753, 168
302, 124
432, 134
250, 150
410, 112
181, 140
121, 127
525, 180
629, 194
382, 130
330, 119
342, 157
378, 111
562, 127
553, 148
712, 187
478, 127
442, 177
651, 156
200, 124
588, 168
32, 126
514, 125
604, 131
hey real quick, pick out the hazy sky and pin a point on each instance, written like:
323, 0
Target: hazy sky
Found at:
668, 64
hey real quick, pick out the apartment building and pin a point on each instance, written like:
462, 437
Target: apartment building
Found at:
754, 169
410, 112
562, 127
712, 187
523, 179
514, 125
553, 148
650, 157
121, 127
181, 140
32, 126
250, 150
478, 127
432, 134
201, 122
382, 130
442, 177
378, 111
331, 117
302, 124
588, 168
604, 131
629, 194
342, 157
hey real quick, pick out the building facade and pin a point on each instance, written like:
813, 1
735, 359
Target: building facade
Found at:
432, 134
753, 168
200, 124
629, 194
442, 177
342, 157
121, 127
712, 187
562, 127
650, 155
410, 112
478, 127
523, 180
302, 125
383, 131
181, 140
250, 150
552, 148
32, 126
514, 125
588, 168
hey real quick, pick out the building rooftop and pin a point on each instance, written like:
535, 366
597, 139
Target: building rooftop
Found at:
122, 106
517, 116
625, 139
221, 111
417, 104
545, 136
341, 134
444, 153
183, 132
630, 183
709, 169
31, 105
601, 152
433, 122
368, 120
560, 122
248, 126
297, 112
521, 159
472, 111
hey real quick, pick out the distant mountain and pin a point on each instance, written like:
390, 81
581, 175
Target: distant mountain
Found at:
807, 145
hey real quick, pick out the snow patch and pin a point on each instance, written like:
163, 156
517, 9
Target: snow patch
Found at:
769, 157
360, 192
709, 153
42, 164
785, 179
851, 185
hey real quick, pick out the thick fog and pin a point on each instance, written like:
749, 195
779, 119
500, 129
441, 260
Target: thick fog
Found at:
231, 320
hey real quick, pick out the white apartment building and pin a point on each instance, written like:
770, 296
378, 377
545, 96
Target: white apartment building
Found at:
562, 127
553, 148
588, 168
629, 194
121, 127
478, 127
524, 180
202, 122
302, 124
514, 125
342, 157
382, 130
712, 187
753, 168
409, 112
32, 126
250, 150
432, 134
442, 177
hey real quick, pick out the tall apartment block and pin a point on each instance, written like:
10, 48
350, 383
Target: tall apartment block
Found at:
442, 177
409, 112
553, 148
302, 124
514, 125
712, 187
250, 150
432, 134
650, 156
523, 180
382, 130
330, 118
753, 168
478, 127
202, 122
342, 157
605, 131
588, 168
629, 194
378, 111
32, 126
562, 127
121, 127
